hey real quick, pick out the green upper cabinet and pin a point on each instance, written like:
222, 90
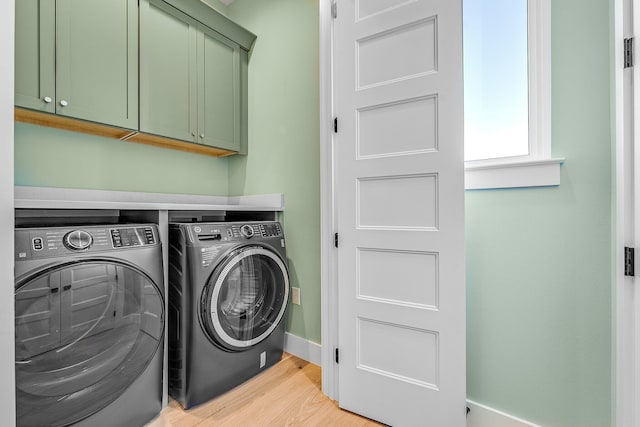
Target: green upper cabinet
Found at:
79, 58
219, 90
97, 60
35, 61
176, 69
168, 72
191, 78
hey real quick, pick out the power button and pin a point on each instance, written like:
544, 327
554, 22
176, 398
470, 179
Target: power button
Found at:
37, 243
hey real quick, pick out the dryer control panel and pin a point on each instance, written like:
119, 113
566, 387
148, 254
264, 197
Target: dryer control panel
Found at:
56, 241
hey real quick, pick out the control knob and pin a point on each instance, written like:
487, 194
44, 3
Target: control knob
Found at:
77, 240
246, 231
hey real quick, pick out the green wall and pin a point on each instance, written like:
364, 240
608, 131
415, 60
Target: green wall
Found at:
539, 268
46, 157
284, 137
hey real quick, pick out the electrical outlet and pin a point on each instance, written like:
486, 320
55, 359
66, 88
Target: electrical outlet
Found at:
295, 295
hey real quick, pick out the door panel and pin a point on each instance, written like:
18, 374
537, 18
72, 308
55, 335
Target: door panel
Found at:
395, 49
219, 105
400, 206
401, 353
97, 60
411, 125
415, 276
168, 72
35, 54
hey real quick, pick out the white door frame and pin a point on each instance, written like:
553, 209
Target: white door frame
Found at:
7, 319
626, 300
328, 254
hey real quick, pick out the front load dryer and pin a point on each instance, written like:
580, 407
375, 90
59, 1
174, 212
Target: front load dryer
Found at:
228, 292
89, 324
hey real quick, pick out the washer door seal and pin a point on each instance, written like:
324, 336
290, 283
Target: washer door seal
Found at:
245, 298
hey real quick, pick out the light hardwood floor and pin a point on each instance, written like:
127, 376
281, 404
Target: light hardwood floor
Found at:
287, 394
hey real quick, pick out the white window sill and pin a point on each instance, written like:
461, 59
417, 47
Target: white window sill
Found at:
534, 173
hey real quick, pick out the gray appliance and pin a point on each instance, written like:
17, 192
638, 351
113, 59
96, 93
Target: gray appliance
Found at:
89, 319
228, 292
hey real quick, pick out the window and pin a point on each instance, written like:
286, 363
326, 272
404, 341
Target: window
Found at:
507, 97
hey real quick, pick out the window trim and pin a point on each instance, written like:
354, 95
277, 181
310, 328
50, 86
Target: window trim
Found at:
537, 168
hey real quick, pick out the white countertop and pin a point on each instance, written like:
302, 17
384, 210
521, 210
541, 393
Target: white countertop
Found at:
72, 198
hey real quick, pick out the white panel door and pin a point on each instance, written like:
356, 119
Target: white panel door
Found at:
399, 193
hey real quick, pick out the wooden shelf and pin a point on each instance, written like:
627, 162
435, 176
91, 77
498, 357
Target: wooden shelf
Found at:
61, 122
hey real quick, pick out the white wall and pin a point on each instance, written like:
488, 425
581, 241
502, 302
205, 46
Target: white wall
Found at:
7, 384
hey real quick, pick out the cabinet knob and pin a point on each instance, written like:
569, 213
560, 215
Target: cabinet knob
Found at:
63, 103
47, 99
193, 134
202, 135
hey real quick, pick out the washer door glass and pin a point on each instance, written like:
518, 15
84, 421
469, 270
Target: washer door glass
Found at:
246, 297
84, 333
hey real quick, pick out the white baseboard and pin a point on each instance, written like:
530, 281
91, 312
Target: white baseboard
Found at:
484, 416
302, 348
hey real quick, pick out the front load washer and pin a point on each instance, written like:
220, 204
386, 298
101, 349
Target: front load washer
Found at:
228, 292
89, 325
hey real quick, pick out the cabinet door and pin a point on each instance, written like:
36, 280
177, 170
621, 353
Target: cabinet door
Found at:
97, 61
35, 54
168, 72
219, 89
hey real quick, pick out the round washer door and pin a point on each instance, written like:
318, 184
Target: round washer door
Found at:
84, 333
245, 297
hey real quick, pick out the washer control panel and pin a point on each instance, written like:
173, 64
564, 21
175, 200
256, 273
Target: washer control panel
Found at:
56, 241
211, 232
261, 229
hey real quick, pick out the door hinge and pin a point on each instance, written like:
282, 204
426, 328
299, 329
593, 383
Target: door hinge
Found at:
334, 9
337, 355
629, 262
335, 240
628, 52
335, 125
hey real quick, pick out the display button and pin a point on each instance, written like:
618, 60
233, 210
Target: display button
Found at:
115, 237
